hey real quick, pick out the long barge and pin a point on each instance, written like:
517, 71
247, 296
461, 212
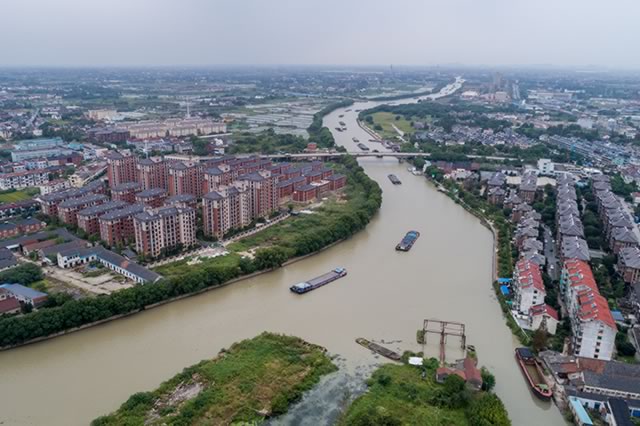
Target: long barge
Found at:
381, 350
394, 179
317, 282
532, 371
408, 241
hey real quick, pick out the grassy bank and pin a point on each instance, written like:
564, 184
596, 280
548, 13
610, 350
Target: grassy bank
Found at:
400, 395
253, 380
12, 196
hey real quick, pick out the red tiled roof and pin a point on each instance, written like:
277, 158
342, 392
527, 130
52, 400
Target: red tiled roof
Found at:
543, 308
528, 273
595, 307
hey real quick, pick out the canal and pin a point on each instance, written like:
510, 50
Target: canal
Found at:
386, 295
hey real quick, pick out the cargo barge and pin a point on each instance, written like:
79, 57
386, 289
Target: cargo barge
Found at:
533, 372
363, 147
408, 241
394, 179
381, 350
316, 282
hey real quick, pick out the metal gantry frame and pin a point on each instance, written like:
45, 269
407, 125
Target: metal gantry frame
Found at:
444, 329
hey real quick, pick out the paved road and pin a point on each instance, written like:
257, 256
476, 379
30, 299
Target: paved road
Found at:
550, 253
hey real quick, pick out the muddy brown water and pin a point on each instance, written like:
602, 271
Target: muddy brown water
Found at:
447, 275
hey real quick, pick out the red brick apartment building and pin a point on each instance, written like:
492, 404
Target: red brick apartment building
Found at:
262, 187
116, 226
88, 219
121, 169
68, 210
164, 228
153, 173
220, 175
153, 198
225, 209
185, 178
126, 192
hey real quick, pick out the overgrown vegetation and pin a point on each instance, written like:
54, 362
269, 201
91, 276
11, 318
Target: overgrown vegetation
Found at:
253, 380
406, 395
24, 274
365, 199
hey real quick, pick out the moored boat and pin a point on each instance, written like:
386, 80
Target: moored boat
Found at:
316, 282
408, 241
381, 350
532, 371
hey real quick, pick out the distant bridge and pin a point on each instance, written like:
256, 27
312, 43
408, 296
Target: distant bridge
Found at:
399, 155
330, 155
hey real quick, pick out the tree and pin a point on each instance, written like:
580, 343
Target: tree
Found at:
24, 274
539, 339
487, 410
488, 380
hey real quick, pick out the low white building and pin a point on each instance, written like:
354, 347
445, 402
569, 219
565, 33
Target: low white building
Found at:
545, 166
543, 316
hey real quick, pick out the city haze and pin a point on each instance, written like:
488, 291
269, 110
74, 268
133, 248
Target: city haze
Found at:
573, 33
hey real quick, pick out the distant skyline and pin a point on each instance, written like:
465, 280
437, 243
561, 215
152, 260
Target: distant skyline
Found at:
560, 33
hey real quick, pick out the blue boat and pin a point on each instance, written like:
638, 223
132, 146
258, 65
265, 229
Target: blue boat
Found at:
408, 241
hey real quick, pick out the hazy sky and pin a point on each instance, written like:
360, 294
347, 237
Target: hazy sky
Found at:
359, 32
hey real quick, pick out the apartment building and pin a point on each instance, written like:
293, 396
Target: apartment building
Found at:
262, 188
220, 175
163, 229
121, 169
126, 192
152, 173
594, 329
186, 178
24, 179
528, 286
68, 210
224, 210
629, 264
172, 127
116, 226
49, 203
88, 219
528, 187
153, 198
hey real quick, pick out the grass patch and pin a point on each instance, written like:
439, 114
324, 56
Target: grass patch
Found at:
181, 268
255, 379
14, 196
386, 120
400, 395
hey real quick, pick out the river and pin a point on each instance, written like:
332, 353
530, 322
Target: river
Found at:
447, 275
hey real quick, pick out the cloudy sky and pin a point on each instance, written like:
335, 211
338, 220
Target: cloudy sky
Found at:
351, 32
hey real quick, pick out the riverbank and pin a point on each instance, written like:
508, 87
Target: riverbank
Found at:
251, 381
311, 236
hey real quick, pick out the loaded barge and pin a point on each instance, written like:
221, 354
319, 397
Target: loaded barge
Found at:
316, 282
532, 371
408, 241
394, 179
381, 350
